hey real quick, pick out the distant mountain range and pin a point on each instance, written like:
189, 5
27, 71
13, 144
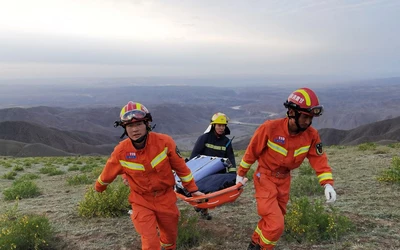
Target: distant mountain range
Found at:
73, 120
22, 139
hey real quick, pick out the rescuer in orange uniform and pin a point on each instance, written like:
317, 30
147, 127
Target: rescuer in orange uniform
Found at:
280, 146
146, 159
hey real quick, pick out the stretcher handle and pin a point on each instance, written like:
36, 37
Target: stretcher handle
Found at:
204, 198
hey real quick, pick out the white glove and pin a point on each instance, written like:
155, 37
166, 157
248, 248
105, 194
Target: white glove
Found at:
330, 193
241, 179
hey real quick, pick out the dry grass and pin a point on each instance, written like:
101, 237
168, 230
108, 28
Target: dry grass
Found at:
374, 207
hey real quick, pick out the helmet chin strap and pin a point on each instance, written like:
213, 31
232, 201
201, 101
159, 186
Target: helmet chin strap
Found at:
296, 120
140, 139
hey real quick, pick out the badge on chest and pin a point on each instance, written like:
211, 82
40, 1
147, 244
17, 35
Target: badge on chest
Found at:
130, 155
279, 139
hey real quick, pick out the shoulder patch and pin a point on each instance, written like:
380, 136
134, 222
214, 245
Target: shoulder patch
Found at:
178, 152
319, 149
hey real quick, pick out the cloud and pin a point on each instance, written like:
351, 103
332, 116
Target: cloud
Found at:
197, 37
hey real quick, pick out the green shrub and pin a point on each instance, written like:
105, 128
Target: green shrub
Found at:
185, 154
27, 177
309, 222
78, 162
27, 231
381, 151
305, 185
393, 173
79, 179
306, 169
27, 164
189, 233
394, 145
88, 167
73, 168
9, 176
18, 168
96, 172
6, 164
113, 202
51, 170
367, 146
21, 189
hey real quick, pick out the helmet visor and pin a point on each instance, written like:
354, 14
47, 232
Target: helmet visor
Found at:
133, 114
314, 111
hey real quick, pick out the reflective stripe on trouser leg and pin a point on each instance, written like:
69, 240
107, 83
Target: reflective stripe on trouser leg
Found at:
167, 218
272, 195
145, 223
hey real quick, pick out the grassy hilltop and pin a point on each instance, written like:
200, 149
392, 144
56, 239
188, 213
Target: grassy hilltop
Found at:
368, 196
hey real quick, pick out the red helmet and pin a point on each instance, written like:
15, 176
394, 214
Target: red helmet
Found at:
306, 101
134, 111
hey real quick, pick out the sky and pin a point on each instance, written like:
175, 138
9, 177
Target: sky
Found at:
125, 38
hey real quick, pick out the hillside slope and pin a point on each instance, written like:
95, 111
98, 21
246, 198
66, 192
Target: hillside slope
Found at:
382, 131
67, 141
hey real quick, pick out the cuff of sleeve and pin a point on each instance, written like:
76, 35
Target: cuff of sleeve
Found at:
240, 172
99, 188
327, 182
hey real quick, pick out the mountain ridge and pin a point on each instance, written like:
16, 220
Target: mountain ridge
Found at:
23, 139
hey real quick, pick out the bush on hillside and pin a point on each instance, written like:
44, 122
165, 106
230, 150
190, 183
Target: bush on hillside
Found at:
367, 146
79, 180
5, 164
394, 145
73, 168
51, 170
26, 231
9, 176
189, 233
306, 169
21, 189
113, 202
305, 185
29, 176
393, 173
18, 168
308, 221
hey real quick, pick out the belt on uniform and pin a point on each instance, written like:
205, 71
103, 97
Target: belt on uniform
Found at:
155, 193
280, 173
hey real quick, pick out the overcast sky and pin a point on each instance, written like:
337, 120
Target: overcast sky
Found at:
126, 38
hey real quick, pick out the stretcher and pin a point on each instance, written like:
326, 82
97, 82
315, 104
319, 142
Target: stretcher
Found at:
206, 166
202, 166
213, 199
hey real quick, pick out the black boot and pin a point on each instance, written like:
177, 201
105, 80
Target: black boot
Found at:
205, 215
253, 246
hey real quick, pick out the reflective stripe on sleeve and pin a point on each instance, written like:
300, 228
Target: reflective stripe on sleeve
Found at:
232, 169
186, 178
101, 182
325, 176
244, 164
301, 150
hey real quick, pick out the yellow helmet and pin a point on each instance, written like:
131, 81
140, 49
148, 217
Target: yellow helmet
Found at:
219, 118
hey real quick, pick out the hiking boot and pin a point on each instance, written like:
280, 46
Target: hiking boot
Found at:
197, 209
253, 246
205, 215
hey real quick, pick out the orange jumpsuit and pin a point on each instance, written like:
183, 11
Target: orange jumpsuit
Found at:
278, 152
151, 181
